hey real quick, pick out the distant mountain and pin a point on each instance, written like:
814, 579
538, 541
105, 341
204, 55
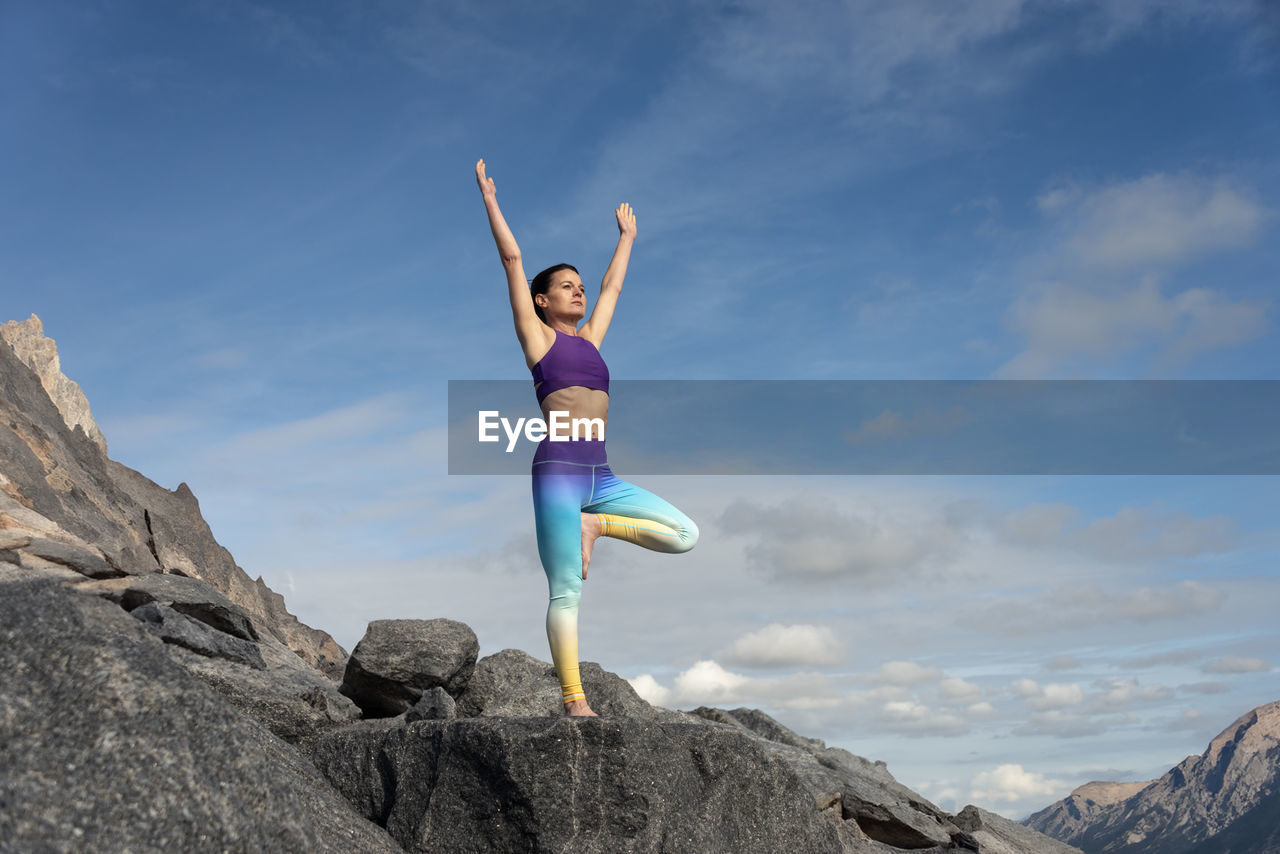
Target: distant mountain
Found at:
1224, 801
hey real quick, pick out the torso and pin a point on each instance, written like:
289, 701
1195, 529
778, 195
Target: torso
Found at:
578, 401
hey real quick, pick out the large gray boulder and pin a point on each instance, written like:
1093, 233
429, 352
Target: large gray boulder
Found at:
397, 660
591, 786
107, 745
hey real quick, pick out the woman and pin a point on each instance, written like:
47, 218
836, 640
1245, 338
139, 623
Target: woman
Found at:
576, 498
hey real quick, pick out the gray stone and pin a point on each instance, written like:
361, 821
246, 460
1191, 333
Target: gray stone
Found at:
512, 683
589, 786
289, 697
873, 804
435, 704
87, 561
188, 596
995, 834
107, 745
172, 627
397, 660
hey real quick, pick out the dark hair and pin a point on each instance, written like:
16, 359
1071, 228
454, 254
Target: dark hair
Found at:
542, 283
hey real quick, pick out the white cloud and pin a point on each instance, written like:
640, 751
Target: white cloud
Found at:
906, 673
1118, 694
650, 690
1157, 219
1112, 248
911, 717
957, 690
1235, 664
777, 645
1131, 533
821, 542
1070, 328
1011, 784
707, 683
1058, 696
1025, 688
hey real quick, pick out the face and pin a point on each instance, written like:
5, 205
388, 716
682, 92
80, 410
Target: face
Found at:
566, 297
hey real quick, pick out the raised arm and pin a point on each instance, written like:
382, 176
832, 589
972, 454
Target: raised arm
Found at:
528, 326
598, 324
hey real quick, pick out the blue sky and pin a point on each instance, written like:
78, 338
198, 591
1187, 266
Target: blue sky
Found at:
254, 231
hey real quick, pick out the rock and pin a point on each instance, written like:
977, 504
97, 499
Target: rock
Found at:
996, 834
512, 683
57, 483
225, 649
182, 543
589, 786
40, 354
871, 802
107, 745
187, 596
1069, 817
435, 704
1196, 801
175, 628
397, 660
84, 559
288, 697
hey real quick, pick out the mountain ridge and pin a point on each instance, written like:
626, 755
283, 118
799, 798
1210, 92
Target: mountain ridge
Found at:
1195, 802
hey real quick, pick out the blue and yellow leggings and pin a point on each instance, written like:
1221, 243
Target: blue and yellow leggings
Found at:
569, 479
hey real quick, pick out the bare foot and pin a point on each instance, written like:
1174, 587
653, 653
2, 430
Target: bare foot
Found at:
591, 528
579, 709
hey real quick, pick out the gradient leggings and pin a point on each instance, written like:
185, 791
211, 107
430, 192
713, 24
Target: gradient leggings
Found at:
571, 478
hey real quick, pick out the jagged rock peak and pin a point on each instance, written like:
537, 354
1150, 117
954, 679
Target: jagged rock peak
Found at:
1200, 799
39, 353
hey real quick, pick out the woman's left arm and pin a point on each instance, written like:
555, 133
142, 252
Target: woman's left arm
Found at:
595, 328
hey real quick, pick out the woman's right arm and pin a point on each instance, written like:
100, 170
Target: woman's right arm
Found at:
526, 319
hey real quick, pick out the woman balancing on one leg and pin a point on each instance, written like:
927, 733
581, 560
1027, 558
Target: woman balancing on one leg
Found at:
576, 498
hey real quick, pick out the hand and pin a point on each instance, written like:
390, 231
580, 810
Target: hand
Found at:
626, 221
487, 188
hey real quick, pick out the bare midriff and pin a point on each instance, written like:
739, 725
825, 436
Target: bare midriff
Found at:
581, 403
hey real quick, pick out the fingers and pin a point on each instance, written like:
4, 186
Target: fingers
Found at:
486, 183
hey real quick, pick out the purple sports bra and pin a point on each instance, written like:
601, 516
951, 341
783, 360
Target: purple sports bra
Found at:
570, 361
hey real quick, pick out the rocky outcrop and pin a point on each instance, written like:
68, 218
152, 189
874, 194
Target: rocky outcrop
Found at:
82, 511
1198, 801
40, 354
106, 744
595, 786
860, 795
